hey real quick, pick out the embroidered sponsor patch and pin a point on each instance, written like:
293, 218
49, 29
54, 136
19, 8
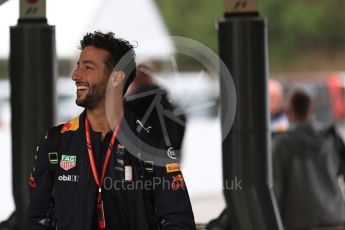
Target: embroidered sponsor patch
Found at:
171, 153
141, 126
32, 182
72, 125
68, 178
53, 158
172, 167
67, 162
178, 182
148, 165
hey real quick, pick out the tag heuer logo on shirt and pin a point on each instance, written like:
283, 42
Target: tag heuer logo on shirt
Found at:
67, 162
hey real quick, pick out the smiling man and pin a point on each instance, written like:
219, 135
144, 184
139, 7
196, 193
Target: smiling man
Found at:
92, 172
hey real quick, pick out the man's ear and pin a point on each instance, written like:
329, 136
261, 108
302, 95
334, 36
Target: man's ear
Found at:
116, 78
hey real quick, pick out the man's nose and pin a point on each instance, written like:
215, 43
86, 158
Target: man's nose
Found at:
76, 75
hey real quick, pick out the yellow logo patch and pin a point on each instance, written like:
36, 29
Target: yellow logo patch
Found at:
172, 167
72, 125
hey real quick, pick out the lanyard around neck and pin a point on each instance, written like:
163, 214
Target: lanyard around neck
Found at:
107, 157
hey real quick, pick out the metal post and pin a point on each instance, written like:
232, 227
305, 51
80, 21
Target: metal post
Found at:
246, 149
2, 1
32, 77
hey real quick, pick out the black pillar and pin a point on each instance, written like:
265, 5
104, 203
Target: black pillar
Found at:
32, 77
2, 1
246, 149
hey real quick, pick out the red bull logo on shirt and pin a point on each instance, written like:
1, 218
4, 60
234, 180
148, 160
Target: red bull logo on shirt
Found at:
178, 182
32, 182
72, 125
67, 162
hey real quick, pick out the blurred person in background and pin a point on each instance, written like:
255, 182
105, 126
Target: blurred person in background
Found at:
145, 90
306, 168
144, 80
279, 120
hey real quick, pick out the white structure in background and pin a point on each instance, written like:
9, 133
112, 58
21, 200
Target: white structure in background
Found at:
138, 21
201, 148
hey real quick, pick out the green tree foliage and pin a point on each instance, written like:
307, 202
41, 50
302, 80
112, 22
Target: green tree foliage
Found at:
303, 34
3, 69
194, 19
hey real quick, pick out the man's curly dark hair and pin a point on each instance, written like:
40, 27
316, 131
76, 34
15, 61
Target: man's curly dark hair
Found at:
122, 55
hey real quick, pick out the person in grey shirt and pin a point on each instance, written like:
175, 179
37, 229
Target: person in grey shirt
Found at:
306, 168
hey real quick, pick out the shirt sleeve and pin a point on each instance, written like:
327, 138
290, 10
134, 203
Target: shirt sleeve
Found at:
171, 199
40, 187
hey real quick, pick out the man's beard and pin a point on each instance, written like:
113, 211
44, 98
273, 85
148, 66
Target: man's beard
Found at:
94, 97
